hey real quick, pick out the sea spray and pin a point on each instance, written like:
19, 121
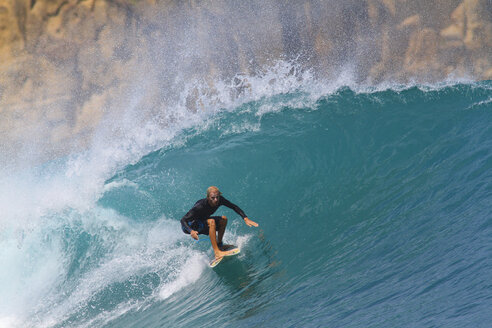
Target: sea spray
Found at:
52, 229
373, 179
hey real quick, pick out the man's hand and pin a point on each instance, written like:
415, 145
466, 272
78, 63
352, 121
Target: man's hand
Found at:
250, 223
194, 234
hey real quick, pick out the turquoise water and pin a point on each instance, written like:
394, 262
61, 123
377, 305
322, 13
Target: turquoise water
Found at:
373, 205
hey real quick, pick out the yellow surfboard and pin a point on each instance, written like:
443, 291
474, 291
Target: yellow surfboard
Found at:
231, 251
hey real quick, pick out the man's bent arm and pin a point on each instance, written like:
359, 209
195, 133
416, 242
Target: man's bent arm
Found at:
184, 221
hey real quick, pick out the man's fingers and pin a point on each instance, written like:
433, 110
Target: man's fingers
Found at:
251, 223
194, 235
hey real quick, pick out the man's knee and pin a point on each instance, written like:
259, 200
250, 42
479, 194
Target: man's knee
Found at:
223, 222
211, 223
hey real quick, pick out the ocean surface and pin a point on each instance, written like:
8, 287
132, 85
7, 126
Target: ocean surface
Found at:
374, 207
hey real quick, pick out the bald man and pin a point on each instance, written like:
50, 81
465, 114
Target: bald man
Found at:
198, 220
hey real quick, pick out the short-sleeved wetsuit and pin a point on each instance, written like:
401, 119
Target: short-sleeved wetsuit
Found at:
196, 218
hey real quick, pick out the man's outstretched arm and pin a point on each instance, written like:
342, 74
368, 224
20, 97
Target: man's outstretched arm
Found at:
239, 211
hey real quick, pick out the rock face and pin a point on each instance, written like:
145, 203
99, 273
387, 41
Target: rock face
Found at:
65, 63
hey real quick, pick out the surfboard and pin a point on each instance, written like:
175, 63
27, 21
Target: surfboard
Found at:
231, 251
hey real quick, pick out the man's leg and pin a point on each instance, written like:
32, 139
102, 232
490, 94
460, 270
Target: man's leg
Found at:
222, 228
212, 233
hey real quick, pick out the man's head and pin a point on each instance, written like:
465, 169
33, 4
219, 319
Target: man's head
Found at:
213, 195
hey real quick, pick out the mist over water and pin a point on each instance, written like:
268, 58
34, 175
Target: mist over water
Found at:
373, 200
98, 68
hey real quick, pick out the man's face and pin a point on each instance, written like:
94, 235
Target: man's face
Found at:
213, 199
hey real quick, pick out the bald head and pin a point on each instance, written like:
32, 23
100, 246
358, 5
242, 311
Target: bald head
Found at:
213, 196
213, 189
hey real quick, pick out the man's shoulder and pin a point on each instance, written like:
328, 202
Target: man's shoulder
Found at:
223, 200
200, 203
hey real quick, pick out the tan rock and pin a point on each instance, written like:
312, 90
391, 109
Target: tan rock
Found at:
410, 22
481, 66
60, 137
478, 34
487, 75
49, 7
458, 26
390, 6
421, 57
90, 114
322, 45
380, 12
453, 32
55, 26
112, 43
10, 34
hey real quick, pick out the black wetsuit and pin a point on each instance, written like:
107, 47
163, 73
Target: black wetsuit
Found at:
196, 218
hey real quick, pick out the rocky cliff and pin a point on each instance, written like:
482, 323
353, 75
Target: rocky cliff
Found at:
66, 63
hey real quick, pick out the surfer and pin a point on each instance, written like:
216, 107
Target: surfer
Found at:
198, 220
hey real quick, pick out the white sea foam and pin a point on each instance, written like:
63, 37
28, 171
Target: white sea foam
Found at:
132, 251
189, 273
480, 104
32, 264
9, 322
241, 241
119, 184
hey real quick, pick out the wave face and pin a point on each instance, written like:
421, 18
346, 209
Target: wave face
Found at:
373, 205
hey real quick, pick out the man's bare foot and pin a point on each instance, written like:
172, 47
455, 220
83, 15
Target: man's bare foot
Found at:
219, 254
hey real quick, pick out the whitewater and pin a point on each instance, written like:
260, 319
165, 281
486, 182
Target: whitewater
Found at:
373, 205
